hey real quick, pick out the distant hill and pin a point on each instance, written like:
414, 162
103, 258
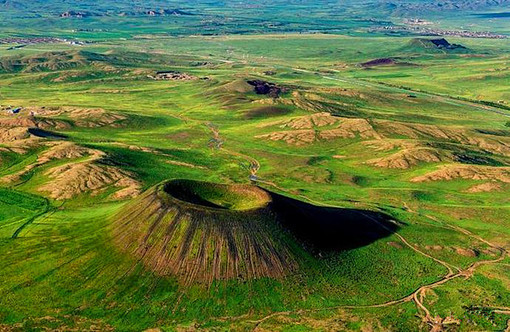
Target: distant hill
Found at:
424, 7
50, 61
439, 45
64, 60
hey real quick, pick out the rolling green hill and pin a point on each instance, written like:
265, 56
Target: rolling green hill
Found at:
269, 166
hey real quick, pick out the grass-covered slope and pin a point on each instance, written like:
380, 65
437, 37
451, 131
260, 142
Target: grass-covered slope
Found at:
88, 237
201, 232
435, 45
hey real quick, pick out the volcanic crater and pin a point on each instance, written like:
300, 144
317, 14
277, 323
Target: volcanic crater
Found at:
201, 232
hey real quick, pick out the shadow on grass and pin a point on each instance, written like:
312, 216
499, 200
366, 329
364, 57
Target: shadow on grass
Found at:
331, 229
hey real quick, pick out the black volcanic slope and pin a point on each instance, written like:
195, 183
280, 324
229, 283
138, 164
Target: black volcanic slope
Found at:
435, 45
200, 232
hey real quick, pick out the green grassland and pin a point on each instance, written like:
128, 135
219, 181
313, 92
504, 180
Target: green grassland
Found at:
61, 268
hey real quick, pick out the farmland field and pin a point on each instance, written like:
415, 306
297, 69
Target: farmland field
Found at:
278, 166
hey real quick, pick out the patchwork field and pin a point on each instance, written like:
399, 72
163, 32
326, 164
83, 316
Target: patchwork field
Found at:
253, 181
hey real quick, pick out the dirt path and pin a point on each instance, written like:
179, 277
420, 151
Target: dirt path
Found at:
446, 99
31, 220
253, 166
436, 323
418, 296
217, 142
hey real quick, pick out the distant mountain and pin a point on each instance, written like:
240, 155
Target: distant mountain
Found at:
174, 7
415, 7
264, 16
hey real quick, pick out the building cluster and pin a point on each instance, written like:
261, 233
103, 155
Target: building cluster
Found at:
10, 109
420, 30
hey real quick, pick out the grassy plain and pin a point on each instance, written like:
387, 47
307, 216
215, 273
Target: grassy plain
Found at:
338, 135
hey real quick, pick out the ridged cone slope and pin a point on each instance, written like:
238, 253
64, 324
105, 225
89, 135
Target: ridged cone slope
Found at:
202, 242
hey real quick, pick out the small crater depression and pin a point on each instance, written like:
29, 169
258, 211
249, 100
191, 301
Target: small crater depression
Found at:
218, 196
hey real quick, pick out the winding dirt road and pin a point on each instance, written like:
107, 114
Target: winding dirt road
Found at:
418, 296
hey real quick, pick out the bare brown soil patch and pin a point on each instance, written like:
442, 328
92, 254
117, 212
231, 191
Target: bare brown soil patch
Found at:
453, 134
18, 132
66, 150
417, 130
305, 122
56, 151
308, 129
395, 245
61, 118
33, 126
313, 102
26, 121
314, 120
434, 247
296, 137
466, 172
351, 128
466, 252
81, 117
95, 118
13, 134
378, 129
408, 158
73, 179
485, 187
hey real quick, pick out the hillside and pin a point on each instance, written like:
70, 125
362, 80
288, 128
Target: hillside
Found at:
81, 59
281, 166
439, 45
202, 232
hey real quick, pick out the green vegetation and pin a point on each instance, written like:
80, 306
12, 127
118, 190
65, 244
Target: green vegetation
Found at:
217, 195
353, 179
